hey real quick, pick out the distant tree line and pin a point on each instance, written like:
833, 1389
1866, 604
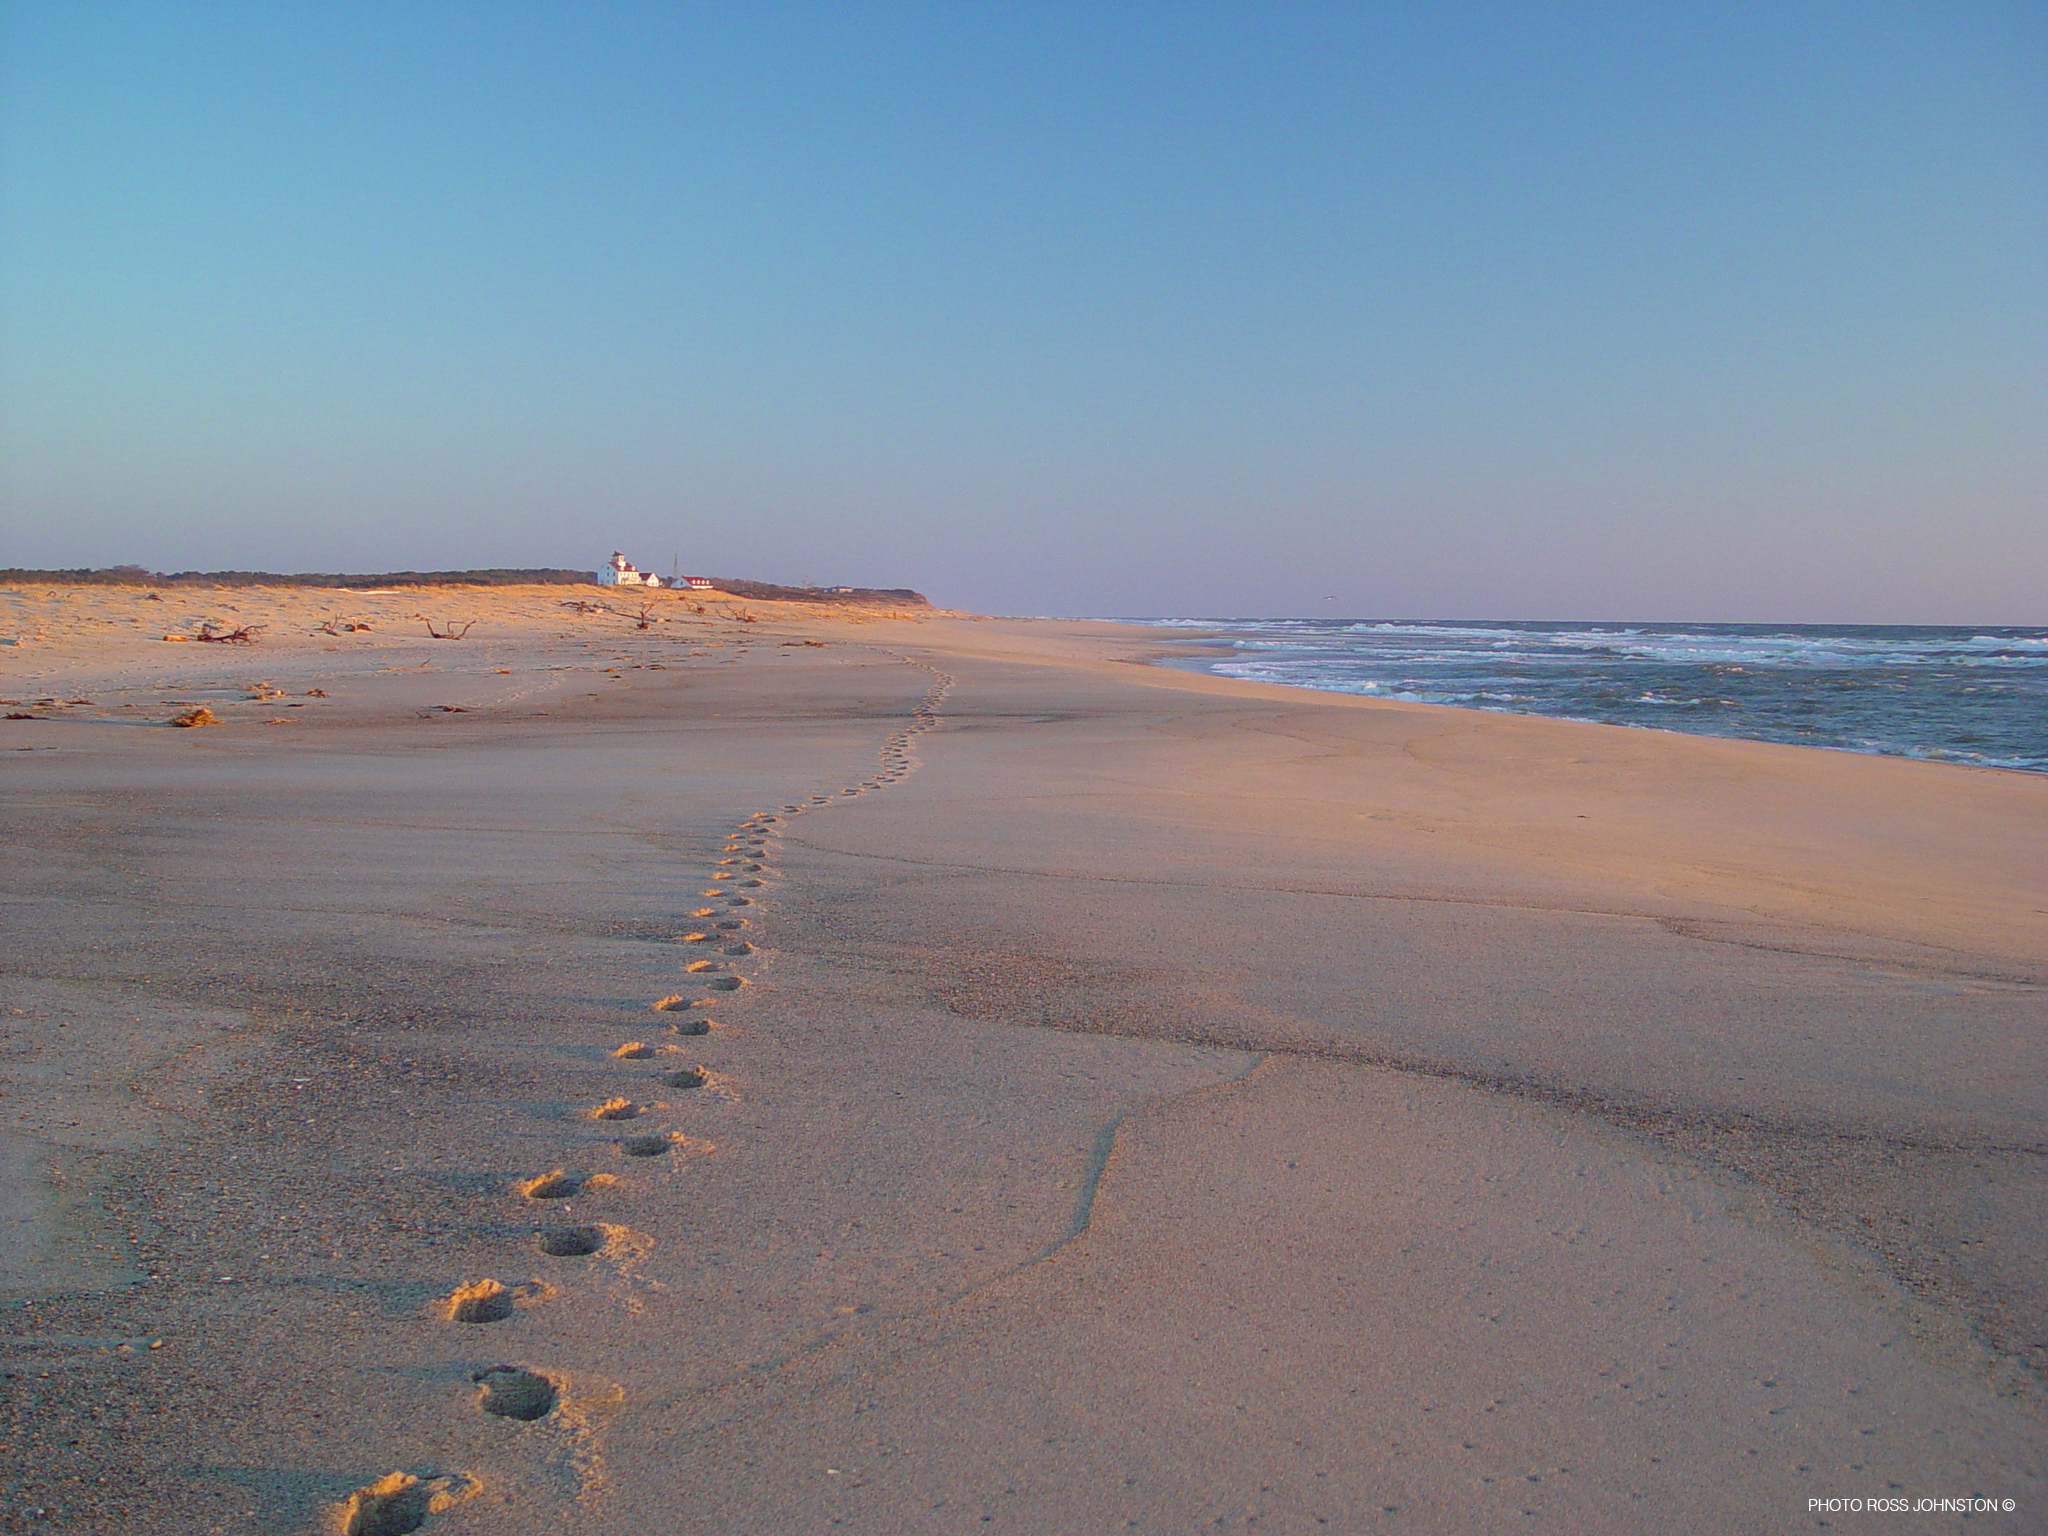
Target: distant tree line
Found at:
136, 576
767, 592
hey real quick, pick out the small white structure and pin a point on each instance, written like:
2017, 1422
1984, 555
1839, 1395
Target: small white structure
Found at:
698, 583
623, 573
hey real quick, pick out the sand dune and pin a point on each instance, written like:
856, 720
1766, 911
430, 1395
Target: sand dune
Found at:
773, 1071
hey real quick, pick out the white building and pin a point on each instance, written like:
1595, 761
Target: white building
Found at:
623, 573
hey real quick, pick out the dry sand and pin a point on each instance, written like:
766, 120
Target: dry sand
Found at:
1112, 1100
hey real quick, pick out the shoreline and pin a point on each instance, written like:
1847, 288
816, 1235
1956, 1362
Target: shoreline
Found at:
1645, 671
1141, 1096
1179, 663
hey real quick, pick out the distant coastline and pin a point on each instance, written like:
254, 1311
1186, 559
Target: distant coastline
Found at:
139, 576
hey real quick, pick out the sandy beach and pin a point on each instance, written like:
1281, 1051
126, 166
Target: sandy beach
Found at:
787, 1070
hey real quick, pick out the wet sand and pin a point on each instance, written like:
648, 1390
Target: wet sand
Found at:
1090, 1097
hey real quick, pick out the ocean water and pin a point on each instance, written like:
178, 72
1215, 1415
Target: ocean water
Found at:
1975, 694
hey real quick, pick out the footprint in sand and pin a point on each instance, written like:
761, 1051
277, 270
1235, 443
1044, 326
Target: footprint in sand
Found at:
726, 983
561, 1185
614, 1109
399, 1504
514, 1392
730, 924
636, 1050
697, 938
741, 948
739, 901
691, 1027
569, 1242
697, 967
684, 1077
665, 1143
487, 1301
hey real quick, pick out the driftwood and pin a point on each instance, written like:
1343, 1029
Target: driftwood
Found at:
452, 632
645, 618
338, 626
245, 635
580, 606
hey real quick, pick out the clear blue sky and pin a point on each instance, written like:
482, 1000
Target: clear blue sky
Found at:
1647, 310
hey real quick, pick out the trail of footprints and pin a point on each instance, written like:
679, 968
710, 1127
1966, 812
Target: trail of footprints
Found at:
401, 1502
